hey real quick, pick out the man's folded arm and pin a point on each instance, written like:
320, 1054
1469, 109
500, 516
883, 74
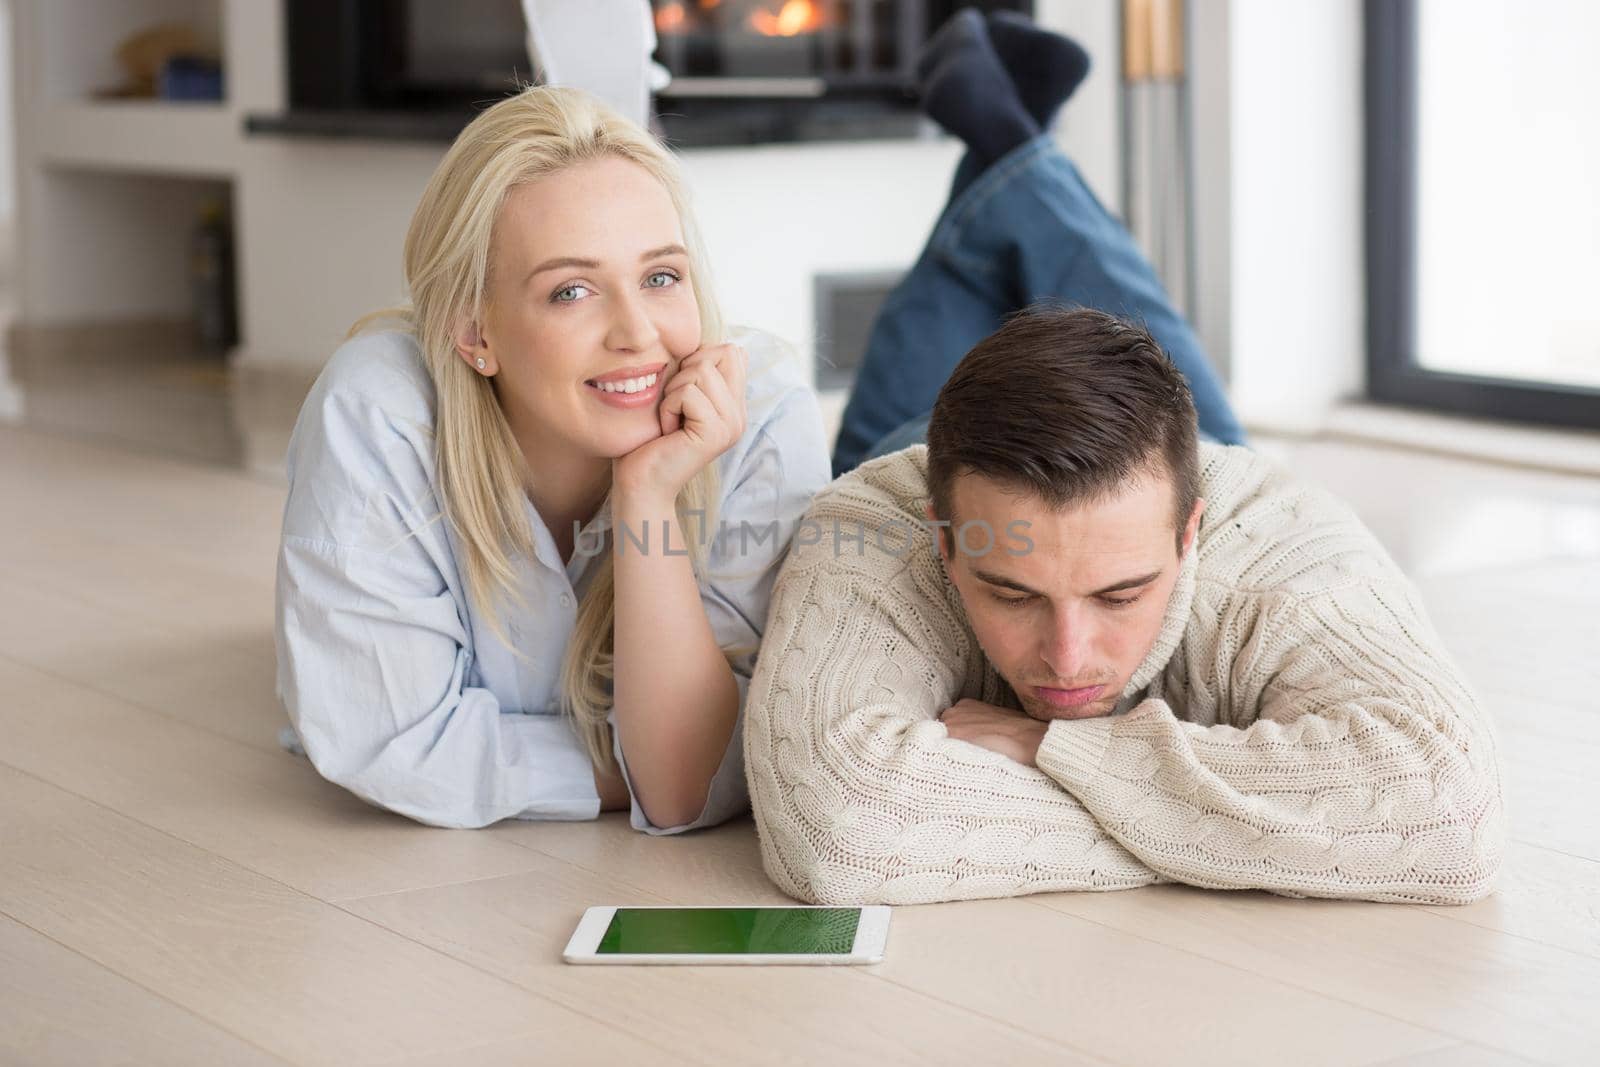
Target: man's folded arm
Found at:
1363, 768
859, 794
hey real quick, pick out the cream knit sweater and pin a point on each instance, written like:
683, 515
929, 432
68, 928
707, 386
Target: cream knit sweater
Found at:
1296, 727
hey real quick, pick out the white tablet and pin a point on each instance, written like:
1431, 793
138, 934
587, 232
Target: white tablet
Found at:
784, 935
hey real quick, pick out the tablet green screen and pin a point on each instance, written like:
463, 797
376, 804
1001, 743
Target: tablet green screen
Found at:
731, 931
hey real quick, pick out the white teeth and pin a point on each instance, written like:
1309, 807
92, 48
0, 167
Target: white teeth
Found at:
627, 385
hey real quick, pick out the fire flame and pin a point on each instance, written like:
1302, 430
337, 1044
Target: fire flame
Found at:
670, 17
795, 17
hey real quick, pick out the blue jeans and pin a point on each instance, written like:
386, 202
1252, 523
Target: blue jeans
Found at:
1026, 229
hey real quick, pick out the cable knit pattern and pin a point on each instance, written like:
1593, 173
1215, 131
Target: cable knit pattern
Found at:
1296, 727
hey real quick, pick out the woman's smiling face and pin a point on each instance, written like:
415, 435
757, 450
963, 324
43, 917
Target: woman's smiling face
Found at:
588, 281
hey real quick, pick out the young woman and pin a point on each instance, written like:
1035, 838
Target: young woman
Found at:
532, 525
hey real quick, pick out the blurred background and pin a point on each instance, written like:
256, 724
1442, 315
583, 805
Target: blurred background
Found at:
1381, 216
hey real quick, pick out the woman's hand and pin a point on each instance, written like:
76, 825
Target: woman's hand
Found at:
702, 414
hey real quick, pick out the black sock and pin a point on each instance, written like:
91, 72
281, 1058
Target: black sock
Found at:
966, 90
1045, 67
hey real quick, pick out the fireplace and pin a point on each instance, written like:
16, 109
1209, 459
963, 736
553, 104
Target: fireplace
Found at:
798, 48
758, 71
744, 71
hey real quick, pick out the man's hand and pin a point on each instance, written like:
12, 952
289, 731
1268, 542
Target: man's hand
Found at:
1010, 733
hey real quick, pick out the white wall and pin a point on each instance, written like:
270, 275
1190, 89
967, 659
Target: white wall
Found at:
1297, 305
1211, 201
8, 154
10, 394
1089, 128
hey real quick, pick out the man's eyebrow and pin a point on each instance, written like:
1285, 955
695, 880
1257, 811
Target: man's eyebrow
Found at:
1007, 583
594, 264
1131, 583
1003, 582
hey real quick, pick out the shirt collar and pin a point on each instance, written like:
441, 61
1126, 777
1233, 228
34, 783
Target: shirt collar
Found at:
544, 545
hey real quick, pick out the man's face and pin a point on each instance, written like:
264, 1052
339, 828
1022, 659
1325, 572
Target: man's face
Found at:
1067, 621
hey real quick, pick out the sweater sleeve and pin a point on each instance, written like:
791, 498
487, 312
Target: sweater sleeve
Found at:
859, 794
1356, 764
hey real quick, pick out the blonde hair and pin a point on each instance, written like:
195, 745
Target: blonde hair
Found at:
481, 470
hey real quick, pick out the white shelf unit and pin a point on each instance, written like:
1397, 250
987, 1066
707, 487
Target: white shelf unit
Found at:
156, 137
112, 188
75, 41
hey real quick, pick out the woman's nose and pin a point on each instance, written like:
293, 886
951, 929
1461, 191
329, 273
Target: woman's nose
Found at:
632, 329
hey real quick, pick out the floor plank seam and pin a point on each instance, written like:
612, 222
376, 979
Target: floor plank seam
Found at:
1580, 953
1528, 843
994, 1020
1452, 1038
265, 587
133, 703
342, 900
1390, 1061
517, 986
602, 874
164, 998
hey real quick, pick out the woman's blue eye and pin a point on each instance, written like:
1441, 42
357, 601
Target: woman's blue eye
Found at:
650, 282
560, 295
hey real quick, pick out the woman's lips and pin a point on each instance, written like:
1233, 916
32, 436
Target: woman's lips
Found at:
1069, 698
643, 398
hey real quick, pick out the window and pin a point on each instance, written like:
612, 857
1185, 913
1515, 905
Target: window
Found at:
1483, 228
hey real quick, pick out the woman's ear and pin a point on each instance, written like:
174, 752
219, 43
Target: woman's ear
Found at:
471, 347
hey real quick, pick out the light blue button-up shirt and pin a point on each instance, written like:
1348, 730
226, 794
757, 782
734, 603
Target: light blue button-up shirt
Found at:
396, 687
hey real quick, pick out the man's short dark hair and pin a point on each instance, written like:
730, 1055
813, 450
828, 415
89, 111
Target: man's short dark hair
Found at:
1067, 404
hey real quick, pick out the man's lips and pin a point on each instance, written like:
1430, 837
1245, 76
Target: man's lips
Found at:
1069, 698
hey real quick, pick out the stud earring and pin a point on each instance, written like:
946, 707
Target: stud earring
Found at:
482, 363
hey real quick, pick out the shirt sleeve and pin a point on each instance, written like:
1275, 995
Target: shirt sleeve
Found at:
1365, 769
765, 491
374, 658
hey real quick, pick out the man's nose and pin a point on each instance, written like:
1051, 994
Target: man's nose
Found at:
631, 328
1066, 646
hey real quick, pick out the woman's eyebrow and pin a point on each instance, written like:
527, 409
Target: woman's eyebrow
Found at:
594, 264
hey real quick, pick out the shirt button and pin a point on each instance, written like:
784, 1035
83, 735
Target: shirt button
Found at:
566, 600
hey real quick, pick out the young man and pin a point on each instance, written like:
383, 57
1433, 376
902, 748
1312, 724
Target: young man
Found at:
1065, 645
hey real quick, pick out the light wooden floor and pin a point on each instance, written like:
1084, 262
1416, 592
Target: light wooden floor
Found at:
174, 889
